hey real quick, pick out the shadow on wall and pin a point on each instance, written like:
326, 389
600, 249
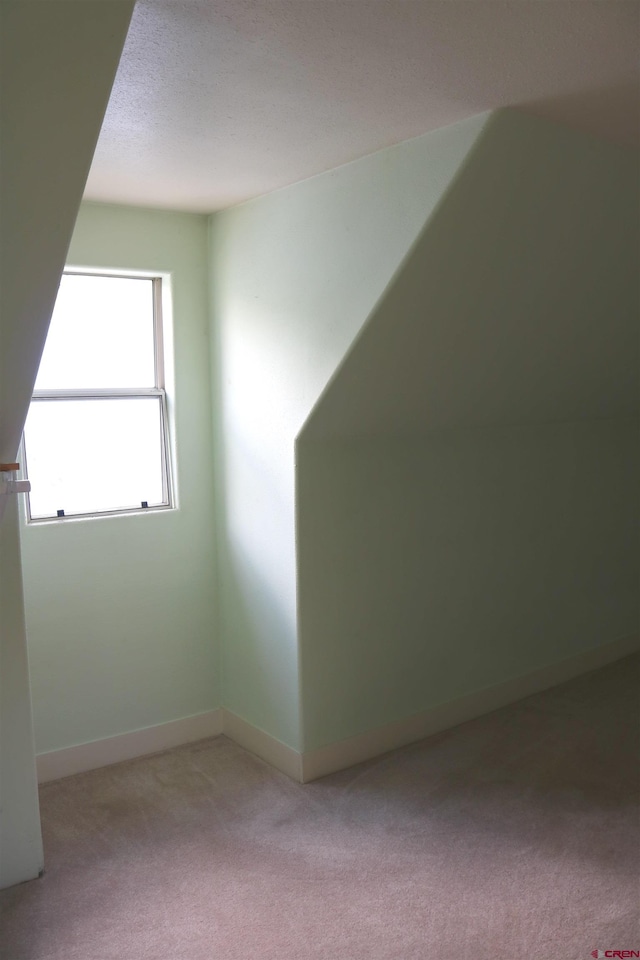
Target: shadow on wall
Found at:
603, 110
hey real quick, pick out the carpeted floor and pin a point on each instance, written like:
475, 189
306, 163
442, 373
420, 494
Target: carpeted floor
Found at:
513, 837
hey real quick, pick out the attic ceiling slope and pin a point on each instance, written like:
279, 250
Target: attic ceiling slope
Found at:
518, 304
216, 102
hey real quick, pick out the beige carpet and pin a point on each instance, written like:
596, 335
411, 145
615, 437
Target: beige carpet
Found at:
513, 837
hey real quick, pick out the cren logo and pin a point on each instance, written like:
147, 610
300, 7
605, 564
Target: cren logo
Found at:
622, 954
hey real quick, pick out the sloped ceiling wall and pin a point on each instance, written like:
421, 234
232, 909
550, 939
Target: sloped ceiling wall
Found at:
515, 305
466, 483
57, 64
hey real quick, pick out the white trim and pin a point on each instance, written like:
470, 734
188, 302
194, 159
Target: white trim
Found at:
99, 393
374, 743
126, 746
263, 745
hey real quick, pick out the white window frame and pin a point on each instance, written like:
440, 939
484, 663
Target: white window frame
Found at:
160, 299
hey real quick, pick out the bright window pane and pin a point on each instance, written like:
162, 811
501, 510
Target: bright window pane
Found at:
87, 456
101, 335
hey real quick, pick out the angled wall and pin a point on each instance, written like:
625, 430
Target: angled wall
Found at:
57, 65
467, 485
294, 276
59, 59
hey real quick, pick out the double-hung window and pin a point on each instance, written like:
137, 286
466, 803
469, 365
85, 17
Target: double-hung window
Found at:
96, 437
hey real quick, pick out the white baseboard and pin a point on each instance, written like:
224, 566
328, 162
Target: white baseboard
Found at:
273, 751
313, 764
138, 743
374, 743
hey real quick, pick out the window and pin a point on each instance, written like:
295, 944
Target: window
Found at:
96, 439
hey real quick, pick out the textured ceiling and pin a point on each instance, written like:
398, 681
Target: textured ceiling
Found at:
223, 100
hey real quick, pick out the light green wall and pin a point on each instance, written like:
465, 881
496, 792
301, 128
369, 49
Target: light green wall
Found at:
121, 612
57, 64
433, 567
294, 276
467, 487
